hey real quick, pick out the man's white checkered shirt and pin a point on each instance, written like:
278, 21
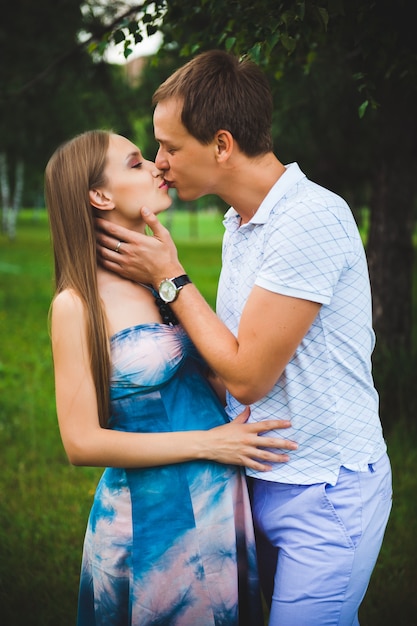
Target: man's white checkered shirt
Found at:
303, 242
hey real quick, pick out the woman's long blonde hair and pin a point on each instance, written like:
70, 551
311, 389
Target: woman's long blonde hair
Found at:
76, 167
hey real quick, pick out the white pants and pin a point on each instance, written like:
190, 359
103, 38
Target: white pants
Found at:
318, 544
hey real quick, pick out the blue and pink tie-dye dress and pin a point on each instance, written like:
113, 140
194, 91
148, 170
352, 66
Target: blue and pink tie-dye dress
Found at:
169, 545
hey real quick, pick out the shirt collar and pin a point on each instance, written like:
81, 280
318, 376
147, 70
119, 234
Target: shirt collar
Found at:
290, 177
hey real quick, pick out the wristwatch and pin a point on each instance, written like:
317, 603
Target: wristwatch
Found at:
170, 287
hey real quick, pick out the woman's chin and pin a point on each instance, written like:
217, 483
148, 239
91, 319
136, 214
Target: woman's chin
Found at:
158, 210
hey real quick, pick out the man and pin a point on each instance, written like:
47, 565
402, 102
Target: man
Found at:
293, 336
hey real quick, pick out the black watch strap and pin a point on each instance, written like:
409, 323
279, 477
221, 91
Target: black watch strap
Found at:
182, 280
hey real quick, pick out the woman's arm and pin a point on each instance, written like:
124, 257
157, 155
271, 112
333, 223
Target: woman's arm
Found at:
86, 443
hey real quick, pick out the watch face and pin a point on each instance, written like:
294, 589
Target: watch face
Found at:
167, 291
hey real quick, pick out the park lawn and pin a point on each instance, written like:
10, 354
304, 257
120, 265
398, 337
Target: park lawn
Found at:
44, 501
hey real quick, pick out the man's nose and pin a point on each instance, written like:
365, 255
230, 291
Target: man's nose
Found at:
161, 161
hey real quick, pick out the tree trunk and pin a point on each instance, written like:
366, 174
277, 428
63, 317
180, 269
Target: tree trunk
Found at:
4, 190
390, 254
10, 206
17, 199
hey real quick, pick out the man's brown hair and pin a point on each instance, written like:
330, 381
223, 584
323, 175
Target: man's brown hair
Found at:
220, 91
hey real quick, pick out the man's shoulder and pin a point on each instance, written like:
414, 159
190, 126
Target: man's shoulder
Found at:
307, 196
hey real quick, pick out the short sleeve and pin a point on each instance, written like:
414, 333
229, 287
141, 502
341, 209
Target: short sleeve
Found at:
306, 249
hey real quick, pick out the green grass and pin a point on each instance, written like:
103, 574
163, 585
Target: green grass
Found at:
391, 599
44, 502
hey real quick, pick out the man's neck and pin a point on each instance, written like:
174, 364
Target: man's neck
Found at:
249, 181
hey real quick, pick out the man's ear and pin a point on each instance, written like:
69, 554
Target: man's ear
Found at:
224, 145
101, 199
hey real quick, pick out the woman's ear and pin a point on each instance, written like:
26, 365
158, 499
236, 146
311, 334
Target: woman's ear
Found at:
101, 199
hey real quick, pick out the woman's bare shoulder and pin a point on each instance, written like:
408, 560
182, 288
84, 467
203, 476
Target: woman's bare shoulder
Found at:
67, 305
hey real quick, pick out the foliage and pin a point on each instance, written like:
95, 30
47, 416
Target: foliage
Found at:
50, 87
44, 502
120, 22
284, 33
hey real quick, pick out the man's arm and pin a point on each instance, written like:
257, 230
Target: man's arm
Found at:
271, 327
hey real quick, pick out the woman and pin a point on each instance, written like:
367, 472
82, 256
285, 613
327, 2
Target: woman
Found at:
169, 539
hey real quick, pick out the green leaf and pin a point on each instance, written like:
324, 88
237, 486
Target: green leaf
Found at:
324, 16
118, 36
92, 47
133, 27
287, 17
101, 47
230, 41
255, 52
151, 29
288, 42
363, 108
273, 39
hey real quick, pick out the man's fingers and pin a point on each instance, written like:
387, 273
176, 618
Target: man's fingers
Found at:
150, 219
242, 417
114, 231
